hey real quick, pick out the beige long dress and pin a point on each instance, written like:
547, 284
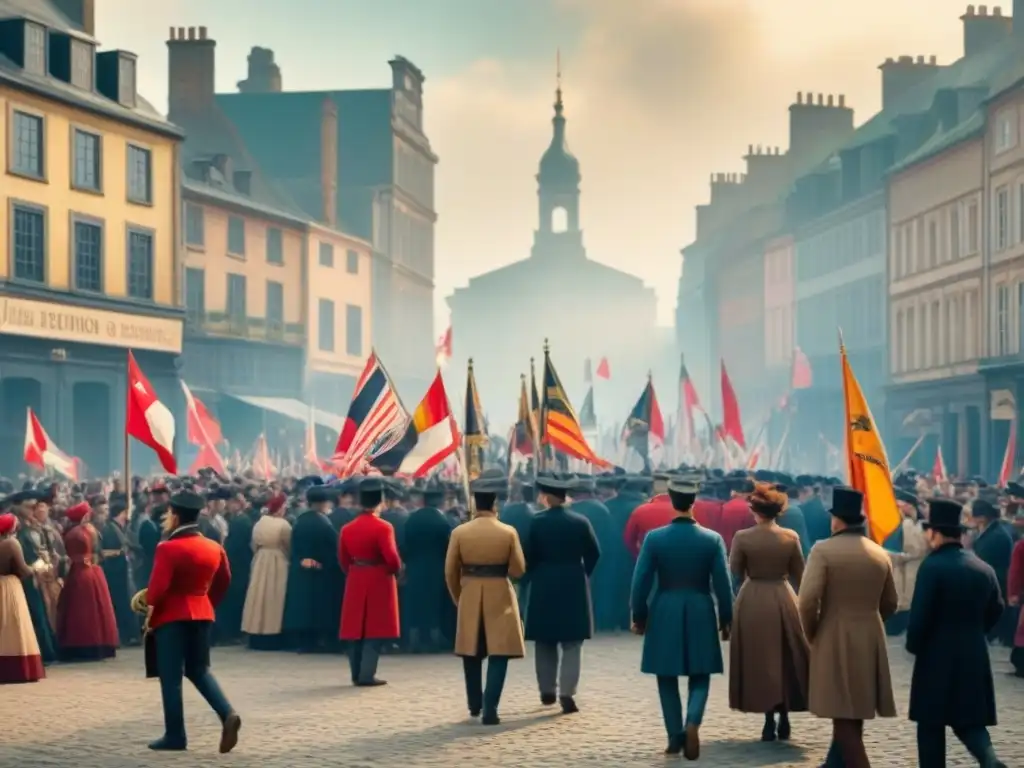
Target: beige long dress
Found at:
20, 660
268, 582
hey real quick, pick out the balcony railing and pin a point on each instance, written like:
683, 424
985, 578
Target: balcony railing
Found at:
221, 324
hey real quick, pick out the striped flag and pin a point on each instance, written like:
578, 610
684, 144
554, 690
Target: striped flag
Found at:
474, 427
431, 436
560, 425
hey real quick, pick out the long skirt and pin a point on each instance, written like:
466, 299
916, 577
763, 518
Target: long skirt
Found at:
769, 657
20, 660
86, 625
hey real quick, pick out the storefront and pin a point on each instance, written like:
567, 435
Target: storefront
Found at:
68, 363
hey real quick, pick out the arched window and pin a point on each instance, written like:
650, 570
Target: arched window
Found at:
559, 219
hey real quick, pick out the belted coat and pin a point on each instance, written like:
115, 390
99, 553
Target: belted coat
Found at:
368, 554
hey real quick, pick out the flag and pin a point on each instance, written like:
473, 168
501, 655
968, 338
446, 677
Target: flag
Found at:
473, 429
603, 369
939, 468
524, 439
149, 421
645, 428
688, 403
42, 453
588, 418
443, 348
801, 377
435, 435
204, 431
376, 419
262, 464
732, 424
1006, 471
535, 402
867, 465
561, 428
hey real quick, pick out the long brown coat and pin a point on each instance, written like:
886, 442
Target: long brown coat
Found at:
487, 603
847, 592
768, 653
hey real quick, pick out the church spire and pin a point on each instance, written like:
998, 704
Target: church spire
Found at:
558, 83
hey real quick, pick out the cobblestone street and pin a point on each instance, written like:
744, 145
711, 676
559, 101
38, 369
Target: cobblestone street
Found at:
300, 711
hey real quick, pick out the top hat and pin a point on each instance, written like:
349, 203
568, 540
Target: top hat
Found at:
944, 514
848, 505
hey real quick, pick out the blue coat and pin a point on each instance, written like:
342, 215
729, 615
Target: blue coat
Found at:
793, 519
681, 630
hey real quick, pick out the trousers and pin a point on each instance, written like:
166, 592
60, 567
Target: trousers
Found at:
363, 656
183, 651
847, 747
698, 688
931, 745
554, 675
481, 696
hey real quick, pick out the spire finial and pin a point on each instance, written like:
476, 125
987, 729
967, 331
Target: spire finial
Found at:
547, 348
558, 81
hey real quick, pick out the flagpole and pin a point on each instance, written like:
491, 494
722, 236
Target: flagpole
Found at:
127, 438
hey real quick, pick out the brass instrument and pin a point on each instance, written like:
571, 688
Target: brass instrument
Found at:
141, 607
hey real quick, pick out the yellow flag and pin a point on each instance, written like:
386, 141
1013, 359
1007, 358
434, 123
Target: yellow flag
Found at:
866, 462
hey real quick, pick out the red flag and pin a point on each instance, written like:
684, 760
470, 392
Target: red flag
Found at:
939, 468
732, 426
603, 371
149, 421
261, 462
802, 376
204, 431
42, 453
1006, 472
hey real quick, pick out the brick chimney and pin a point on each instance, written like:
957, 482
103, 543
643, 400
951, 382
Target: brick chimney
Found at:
817, 124
264, 75
901, 75
329, 161
767, 168
81, 13
982, 29
190, 70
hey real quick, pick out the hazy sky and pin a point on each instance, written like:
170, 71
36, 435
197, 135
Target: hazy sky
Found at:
659, 94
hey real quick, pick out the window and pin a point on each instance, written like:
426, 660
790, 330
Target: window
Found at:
195, 225
140, 265
35, 49
275, 306
237, 311
933, 244
1020, 211
87, 161
352, 262
27, 152
897, 355
911, 345
935, 334
954, 333
81, 65
954, 232
275, 246
1002, 219
325, 326
140, 175
970, 325
236, 236
1006, 134
973, 233
195, 293
126, 81
354, 330
326, 255
88, 246
1002, 320
29, 244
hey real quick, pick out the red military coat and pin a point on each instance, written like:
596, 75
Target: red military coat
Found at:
190, 577
369, 556
656, 513
736, 517
1015, 588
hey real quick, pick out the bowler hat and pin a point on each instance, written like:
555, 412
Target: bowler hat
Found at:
848, 505
187, 501
944, 514
985, 509
553, 484
318, 494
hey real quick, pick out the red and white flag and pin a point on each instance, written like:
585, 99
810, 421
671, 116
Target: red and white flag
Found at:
203, 431
150, 421
939, 468
443, 349
261, 462
42, 453
1010, 456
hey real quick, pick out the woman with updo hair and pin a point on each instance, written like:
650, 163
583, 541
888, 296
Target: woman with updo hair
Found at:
768, 653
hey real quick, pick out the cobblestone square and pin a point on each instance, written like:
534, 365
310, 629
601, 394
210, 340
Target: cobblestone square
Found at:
301, 711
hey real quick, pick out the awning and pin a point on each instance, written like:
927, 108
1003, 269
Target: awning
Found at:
294, 409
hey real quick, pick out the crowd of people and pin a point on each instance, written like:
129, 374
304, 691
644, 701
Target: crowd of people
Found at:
777, 565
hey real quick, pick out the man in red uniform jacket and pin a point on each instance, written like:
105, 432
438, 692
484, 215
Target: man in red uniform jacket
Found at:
736, 515
190, 577
369, 557
656, 513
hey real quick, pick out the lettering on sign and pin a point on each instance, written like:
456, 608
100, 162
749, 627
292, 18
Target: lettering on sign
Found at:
43, 320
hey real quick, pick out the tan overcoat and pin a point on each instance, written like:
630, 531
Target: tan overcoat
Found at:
486, 603
847, 591
907, 563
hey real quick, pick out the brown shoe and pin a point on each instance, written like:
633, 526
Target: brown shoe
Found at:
229, 733
691, 749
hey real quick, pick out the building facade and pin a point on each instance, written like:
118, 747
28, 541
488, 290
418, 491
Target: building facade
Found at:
90, 211
558, 294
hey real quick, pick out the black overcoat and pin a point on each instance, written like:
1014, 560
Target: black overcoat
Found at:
313, 600
426, 533
116, 569
956, 603
561, 554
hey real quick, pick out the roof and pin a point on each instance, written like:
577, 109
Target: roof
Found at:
943, 140
567, 273
42, 12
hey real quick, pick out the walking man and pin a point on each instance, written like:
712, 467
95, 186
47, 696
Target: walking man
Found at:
956, 604
561, 554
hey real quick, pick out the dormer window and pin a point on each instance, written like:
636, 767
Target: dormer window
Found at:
35, 49
126, 81
82, 58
